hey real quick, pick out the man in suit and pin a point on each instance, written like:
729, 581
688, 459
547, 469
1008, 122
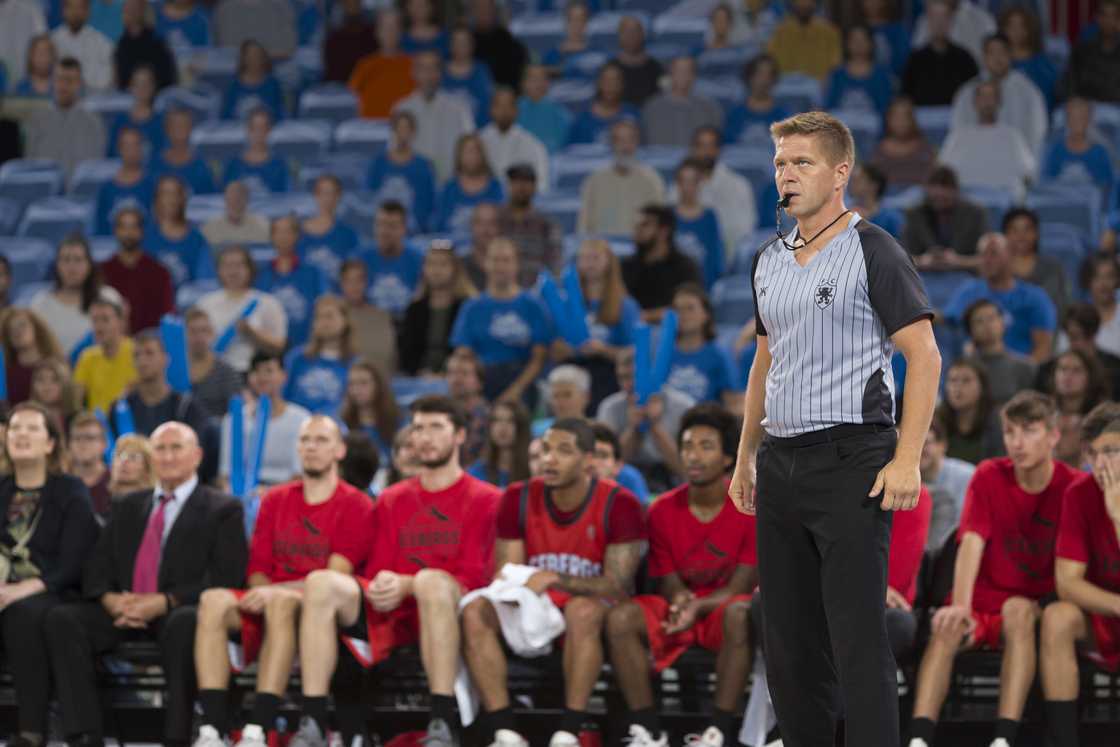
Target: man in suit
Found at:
161, 549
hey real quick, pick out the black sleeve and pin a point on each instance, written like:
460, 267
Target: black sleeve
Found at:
100, 575
759, 327
79, 532
229, 554
893, 285
411, 339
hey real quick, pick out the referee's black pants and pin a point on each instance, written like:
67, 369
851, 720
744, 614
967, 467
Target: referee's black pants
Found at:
822, 559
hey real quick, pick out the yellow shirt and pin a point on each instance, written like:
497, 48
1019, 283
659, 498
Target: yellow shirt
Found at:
104, 378
813, 49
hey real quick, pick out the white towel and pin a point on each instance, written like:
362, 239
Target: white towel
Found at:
758, 717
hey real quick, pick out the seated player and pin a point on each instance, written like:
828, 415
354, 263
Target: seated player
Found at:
315, 522
434, 541
1087, 573
584, 534
1004, 569
703, 551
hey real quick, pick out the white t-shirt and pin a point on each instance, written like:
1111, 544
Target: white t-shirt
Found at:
1108, 336
268, 317
69, 323
280, 461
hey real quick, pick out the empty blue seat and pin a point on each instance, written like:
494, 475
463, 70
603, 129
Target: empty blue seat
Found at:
865, 126
733, 299
331, 101
667, 51
363, 136
349, 168
358, 210
663, 159
25, 180
728, 90
687, 31
55, 218
216, 66
277, 206
301, 139
996, 201
576, 94
539, 32
798, 92
203, 101
941, 287
934, 122
407, 389
727, 62
564, 209
9, 216
109, 105
201, 208
30, 259
755, 163
102, 248
569, 171
1075, 206
187, 294
90, 175
23, 293
218, 141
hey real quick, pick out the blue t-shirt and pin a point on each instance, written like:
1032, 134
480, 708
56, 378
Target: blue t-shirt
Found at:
440, 43
412, 184
308, 23
744, 124
631, 479
151, 128
548, 120
501, 331
478, 471
1026, 308
744, 362
25, 91
892, 45
188, 259
392, 280
1042, 73
704, 374
241, 99
700, 239
591, 128
1094, 166
453, 213
194, 173
317, 384
270, 176
191, 31
296, 291
845, 91
476, 89
890, 220
106, 18
621, 333
112, 196
329, 250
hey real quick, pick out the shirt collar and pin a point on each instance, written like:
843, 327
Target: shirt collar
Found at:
180, 495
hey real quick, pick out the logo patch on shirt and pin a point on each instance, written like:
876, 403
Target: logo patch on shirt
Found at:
825, 293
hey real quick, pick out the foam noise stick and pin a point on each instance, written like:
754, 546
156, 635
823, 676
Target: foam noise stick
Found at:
237, 445
110, 440
230, 332
642, 363
577, 309
122, 413
260, 433
666, 344
558, 308
174, 336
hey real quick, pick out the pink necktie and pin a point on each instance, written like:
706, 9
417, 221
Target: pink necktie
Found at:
145, 573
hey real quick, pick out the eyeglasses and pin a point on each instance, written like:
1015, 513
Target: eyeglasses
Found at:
1108, 452
130, 456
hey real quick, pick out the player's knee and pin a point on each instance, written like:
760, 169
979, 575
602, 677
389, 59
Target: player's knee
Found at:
624, 619
214, 606
431, 585
478, 620
283, 606
1059, 624
735, 619
319, 588
944, 643
1019, 615
584, 616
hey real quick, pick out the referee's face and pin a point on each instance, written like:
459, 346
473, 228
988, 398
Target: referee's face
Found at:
802, 170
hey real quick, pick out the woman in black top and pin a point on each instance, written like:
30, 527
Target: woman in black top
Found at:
47, 530
425, 334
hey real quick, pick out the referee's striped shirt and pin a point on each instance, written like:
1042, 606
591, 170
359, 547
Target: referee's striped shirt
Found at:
829, 326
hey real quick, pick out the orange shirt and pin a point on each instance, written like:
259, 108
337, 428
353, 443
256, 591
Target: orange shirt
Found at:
380, 82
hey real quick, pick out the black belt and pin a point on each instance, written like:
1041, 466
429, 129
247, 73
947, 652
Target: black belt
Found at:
827, 435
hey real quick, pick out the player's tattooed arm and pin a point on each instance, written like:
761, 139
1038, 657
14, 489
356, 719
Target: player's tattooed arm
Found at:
620, 564
508, 551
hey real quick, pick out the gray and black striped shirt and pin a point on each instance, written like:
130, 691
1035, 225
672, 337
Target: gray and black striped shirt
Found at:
829, 326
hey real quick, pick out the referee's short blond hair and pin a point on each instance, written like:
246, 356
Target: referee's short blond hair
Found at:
834, 135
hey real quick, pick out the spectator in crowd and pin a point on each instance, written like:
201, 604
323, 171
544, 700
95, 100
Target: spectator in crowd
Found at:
129, 186
325, 241
405, 461
369, 406
88, 442
257, 166
280, 458
892, 36
136, 589
607, 108
989, 153
468, 77
903, 155
536, 464
246, 319
1080, 325
484, 229
753, 22
939, 65
238, 21
75, 284
425, 331
184, 24
375, 337
441, 118
178, 158
505, 326
213, 381
317, 371
505, 460
495, 45
22, 24
1007, 372
575, 42
641, 73
1100, 276
465, 377
106, 369
698, 229
718, 35
972, 424
670, 118
1033, 318
140, 45
645, 430
142, 115
544, 118
1077, 157
236, 225
27, 341
944, 229
170, 238
866, 188
726, 192
1092, 67
254, 87
1078, 383
657, 268
946, 478
608, 463
567, 394
424, 29
860, 82
699, 367
382, 78
315, 522
132, 467
806, 42
750, 121
1005, 567
1021, 227
294, 285
38, 82
65, 132
508, 143
400, 173
151, 401
47, 523
967, 22
349, 41
141, 280
537, 235
472, 182
392, 264
361, 464
53, 387
1024, 35
76, 39
611, 198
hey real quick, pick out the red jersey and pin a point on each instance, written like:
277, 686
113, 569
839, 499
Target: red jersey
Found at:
1087, 534
909, 530
1020, 531
450, 530
572, 542
293, 538
703, 555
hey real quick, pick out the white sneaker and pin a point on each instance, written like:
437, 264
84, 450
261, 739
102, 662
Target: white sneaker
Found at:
509, 738
252, 736
639, 737
915, 742
712, 737
208, 736
776, 743
1001, 742
563, 739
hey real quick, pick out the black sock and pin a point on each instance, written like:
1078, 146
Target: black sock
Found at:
350, 720
443, 707
572, 721
502, 718
647, 719
1061, 723
1008, 729
265, 708
316, 709
725, 722
215, 709
923, 728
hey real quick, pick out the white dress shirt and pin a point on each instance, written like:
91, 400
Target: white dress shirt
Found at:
175, 505
515, 146
1021, 106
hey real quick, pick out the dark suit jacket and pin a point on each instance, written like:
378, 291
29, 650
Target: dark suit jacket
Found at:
967, 225
206, 547
412, 343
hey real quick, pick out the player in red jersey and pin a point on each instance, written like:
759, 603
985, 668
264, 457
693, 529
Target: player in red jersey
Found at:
1004, 571
1087, 572
584, 534
703, 551
316, 522
434, 541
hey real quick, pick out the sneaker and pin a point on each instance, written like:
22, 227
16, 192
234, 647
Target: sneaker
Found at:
439, 735
1001, 742
712, 737
915, 742
639, 737
208, 736
509, 738
252, 736
563, 739
309, 734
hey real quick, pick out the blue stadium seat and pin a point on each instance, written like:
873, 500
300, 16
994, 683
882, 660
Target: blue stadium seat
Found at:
90, 175
663, 159
733, 299
688, 31
798, 92
904, 199
9, 215
187, 294
277, 206
362, 136
24, 292
667, 51
563, 208
539, 32
109, 105
25, 180
1073, 205
102, 247
407, 389
570, 169
727, 62
728, 90
30, 259
942, 286
331, 101
54, 218
357, 211
756, 164
347, 167
993, 199
934, 122
216, 66
303, 70
219, 141
1106, 122
584, 65
746, 249
203, 101
301, 139
575, 94
201, 208
865, 126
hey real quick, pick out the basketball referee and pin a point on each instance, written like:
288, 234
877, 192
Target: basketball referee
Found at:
832, 302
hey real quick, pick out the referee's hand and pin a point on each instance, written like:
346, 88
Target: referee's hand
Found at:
899, 484
741, 488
